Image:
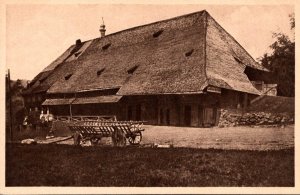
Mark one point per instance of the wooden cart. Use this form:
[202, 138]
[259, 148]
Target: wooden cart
[120, 131]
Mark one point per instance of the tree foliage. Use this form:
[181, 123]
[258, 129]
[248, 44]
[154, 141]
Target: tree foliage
[281, 62]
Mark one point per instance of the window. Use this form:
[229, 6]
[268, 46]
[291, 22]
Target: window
[28, 99]
[168, 116]
[99, 72]
[39, 98]
[129, 113]
[105, 47]
[189, 53]
[43, 79]
[77, 53]
[131, 70]
[187, 115]
[241, 99]
[138, 111]
[158, 33]
[68, 77]
[161, 115]
[237, 59]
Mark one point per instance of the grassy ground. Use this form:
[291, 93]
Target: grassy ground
[30, 132]
[243, 137]
[64, 165]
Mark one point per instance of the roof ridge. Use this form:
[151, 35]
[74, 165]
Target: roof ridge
[164, 69]
[143, 25]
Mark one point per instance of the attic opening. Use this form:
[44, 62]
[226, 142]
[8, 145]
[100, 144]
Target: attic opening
[77, 53]
[237, 59]
[254, 74]
[99, 72]
[189, 53]
[42, 80]
[105, 47]
[158, 33]
[132, 70]
[68, 77]
[78, 42]
[77, 46]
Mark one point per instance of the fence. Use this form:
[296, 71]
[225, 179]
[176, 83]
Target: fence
[86, 118]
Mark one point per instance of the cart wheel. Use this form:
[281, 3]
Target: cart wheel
[135, 139]
[76, 138]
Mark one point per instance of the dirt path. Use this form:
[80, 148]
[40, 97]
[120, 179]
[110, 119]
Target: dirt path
[244, 138]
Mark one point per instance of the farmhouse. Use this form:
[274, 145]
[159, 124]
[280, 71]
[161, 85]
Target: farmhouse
[179, 71]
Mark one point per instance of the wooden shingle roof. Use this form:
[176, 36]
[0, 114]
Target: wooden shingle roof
[179, 55]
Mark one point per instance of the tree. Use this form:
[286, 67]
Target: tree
[281, 62]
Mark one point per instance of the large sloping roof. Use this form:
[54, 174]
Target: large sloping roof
[63, 65]
[226, 60]
[179, 55]
[162, 66]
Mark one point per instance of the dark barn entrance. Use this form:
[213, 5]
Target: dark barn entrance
[138, 112]
[129, 113]
[187, 115]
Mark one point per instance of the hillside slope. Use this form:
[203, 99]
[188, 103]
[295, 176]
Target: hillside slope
[273, 104]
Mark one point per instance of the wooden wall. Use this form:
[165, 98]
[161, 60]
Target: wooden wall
[196, 110]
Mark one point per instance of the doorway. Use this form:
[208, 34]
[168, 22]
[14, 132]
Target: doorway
[168, 116]
[200, 116]
[209, 118]
[138, 112]
[161, 116]
[187, 115]
[129, 113]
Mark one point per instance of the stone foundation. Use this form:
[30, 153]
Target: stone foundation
[230, 118]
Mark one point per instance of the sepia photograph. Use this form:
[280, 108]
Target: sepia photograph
[185, 94]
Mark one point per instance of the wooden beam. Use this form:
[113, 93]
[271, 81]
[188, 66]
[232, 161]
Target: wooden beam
[213, 89]
[10, 105]
[70, 106]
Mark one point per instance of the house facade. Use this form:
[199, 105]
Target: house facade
[179, 71]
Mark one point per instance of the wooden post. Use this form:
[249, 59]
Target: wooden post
[179, 110]
[70, 106]
[245, 101]
[10, 103]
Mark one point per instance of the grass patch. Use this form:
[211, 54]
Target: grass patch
[63, 165]
[29, 132]
[274, 104]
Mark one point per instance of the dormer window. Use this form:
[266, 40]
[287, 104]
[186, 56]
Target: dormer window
[189, 53]
[237, 59]
[158, 33]
[77, 53]
[105, 47]
[131, 70]
[99, 72]
[68, 77]
[42, 80]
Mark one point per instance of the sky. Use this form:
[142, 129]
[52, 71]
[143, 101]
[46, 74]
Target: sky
[37, 34]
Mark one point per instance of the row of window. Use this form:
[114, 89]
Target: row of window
[132, 69]
[99, 72]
